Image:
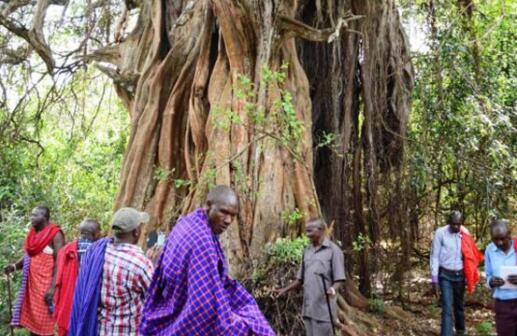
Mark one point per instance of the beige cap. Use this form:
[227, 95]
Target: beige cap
[128, 219]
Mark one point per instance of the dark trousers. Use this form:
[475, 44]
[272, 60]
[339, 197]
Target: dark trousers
[452, 287]
[506, 317]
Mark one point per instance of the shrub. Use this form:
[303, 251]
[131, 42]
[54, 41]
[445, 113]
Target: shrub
[484, 328]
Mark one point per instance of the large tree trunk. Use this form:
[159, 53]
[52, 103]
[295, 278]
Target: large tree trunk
[178, 76]
[360, 88]
[180, 73]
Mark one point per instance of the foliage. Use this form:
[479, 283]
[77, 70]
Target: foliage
[376, 305]
[281, 124]
[12, 232]
[484, 328]
[71, 164]
[76, 172]
[277, 270]
[360, 242]
[286, 250]
[462, 136]
[292, 217]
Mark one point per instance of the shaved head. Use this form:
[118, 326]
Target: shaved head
[500, 226]
[318, 222]
[315, 230]
[455, 217]
[222, 206]
[45, 209]
[501, 235]
[455, 220]
[222, 194]
[90, 229]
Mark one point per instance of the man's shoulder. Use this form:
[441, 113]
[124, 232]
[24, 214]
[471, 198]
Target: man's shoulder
[333, 244]
[129, 254]
[491, 248]
[99, 245]
[441, 230]
[190, 230]
[69, 247]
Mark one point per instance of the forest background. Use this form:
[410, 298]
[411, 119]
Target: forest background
[64, 131]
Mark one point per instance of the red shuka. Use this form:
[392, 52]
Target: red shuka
[67, 270]
[34, 315]
[36, 241]
[471, 259]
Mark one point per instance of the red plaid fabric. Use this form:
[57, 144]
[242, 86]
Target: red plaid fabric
[126, 275]
[35, 315]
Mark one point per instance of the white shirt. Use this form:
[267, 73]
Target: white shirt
[446, 251]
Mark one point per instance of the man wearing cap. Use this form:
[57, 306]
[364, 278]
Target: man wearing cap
[112, 282]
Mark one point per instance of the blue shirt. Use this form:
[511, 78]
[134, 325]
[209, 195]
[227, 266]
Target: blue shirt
[446, 251]
[83, 245]
[494, 259]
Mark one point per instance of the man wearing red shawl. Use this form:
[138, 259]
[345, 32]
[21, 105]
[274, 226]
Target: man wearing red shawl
[454, 262]
[68, 262]
[34, 305]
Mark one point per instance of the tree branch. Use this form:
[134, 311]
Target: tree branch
[126, 80]
[14, 5]
[294, 28]
[37, 37]
[34, 36]
[14, 56]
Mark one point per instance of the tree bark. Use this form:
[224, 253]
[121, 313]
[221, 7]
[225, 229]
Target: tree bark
[360, 88]
[179, 72]
[176, 72]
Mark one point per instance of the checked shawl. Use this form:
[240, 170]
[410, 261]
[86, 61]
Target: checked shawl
[191, 292]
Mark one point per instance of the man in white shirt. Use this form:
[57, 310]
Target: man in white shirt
[447, 274]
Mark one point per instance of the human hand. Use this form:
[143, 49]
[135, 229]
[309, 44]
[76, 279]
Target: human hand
[496, 282]
[331, 292]
[49, 296]
[9, 269]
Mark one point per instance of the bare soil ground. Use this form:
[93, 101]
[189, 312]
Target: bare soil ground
[420, 313]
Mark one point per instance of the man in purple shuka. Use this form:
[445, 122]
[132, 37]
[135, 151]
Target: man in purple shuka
[191, 292]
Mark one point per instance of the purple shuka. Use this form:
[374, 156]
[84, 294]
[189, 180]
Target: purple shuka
[191, 292]
[17, 312]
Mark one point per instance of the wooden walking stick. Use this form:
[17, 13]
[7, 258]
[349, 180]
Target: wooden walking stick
[10, 302]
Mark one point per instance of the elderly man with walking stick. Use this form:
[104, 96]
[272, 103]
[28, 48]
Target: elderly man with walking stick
[321, 273]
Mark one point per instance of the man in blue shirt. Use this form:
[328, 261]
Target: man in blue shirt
[501, 252]
[447, 274]
[90, 231]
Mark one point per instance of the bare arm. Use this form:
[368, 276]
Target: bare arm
[13, 267]
[333, 290]
[57, 243]
[337, 285]
[296, 284]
